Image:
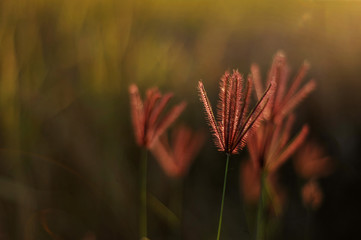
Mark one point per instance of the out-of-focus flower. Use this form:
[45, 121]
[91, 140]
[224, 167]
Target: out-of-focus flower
[271, 146]
[89, 236]
[312, 195]
[176, 158]
[283, 101]
[312, 162]
[147, 122]
[234, 122]
[251, 186]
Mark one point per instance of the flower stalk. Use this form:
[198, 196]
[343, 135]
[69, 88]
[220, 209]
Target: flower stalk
[143, 195]
[260, 227]
[223, 194]
[234, 122]
[149, 124]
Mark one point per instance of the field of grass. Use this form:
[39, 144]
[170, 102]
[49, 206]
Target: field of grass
[69, 162]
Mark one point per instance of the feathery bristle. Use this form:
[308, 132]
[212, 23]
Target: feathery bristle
[159, 108]
[251, 126]
[296, 99]
[136, 112]
[281, 80]
[297, 81]
[162, 154]
[234, 124]
[290, 149]
[270, 144]
[226, 121]
[287, 130]
[146, 115]
[152, 96]
[256, 76]
[168, 119]
[210, 116]
[252, 120]
[247, 100]
[237, 116]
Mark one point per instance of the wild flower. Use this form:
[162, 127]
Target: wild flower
[312, 162]
[251, 187]
[267, 154]
[234, 121]
[270, 146]
[147, 122]
[148, 126]
[175, 158]
[312, 195]
[283, 101]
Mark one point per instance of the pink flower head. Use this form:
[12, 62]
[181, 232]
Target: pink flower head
[271, 146]
[312, 162]
[285, 98]
[147, 121]
[312, 195]
[234, 121]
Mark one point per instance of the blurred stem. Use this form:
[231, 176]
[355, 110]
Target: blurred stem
[163, 211]
[308, 224]
[143, 195]
[260, 211]
[224, 191]
[178, 199]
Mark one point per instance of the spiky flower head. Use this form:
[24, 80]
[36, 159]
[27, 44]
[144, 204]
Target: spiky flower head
[285, 98]
[272, 145]
[234, 122]
[147, 121]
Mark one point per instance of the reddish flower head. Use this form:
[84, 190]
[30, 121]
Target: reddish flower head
[175, 159]
[250, 182]
[283, 101]
[234, 122]
[147, 122]
[312, 195]
[312, 162]
[270, 146]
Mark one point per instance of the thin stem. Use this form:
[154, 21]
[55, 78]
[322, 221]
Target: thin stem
[224, 191]
[143, 196]
[260, 211]
[180, 204]
[308, 223]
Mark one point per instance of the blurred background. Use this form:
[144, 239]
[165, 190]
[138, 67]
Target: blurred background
[69, 164]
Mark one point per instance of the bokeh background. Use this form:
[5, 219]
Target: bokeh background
[69, 165]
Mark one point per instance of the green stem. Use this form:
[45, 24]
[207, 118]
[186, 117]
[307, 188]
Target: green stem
[260, 211]
[143, 196]
[224, 191]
